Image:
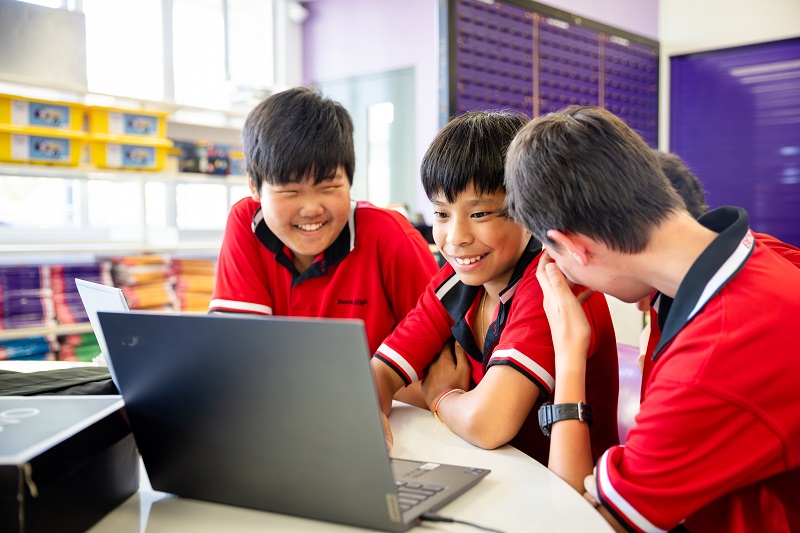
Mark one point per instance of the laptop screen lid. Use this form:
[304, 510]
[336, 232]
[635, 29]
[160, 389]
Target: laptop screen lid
[278, 414]
[97, 297]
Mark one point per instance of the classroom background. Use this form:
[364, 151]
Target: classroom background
[120, 121]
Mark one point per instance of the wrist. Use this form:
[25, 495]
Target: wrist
[442, 396]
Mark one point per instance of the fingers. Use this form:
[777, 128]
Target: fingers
[387, 432]
[590, 485]
[460, 355]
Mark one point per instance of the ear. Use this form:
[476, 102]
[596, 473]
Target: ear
[574, 244]
[254, 194]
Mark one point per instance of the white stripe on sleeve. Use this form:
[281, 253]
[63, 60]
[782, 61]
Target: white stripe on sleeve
[619, 502]
[399, 360]
[527, 362]
[240, 306]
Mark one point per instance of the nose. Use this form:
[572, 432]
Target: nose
[458, 232]
[311, 207]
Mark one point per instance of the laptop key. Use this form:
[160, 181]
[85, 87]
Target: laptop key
[412, 496]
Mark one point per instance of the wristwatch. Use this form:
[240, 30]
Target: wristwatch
[549, 414]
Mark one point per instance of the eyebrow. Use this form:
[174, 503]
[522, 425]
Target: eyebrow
[471, 203]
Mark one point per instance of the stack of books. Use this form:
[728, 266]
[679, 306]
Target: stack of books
[26, 300]
[146, 281]
[194, 283]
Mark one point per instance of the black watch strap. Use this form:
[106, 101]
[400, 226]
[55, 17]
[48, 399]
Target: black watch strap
[549, 414]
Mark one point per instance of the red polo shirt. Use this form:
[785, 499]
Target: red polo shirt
[519, 337]
[715, 445]
[787, 251]
[374, 271]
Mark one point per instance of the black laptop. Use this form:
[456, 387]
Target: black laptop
[278, 414]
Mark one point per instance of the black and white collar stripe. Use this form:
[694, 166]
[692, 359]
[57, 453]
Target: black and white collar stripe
[333, 255]
[717, 265]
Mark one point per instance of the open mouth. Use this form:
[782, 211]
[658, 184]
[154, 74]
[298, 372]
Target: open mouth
[469, 260]
[310, 227]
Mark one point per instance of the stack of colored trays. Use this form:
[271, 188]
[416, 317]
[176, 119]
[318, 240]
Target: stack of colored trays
[128, 139]
[40, 131]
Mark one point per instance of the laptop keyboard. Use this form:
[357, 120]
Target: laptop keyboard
[411, 493]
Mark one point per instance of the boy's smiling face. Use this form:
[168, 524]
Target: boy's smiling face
[306, 217]
[481, 244]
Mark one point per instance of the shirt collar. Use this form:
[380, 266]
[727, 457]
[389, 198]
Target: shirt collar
[715, 267]
[333, 255]
[457, 298]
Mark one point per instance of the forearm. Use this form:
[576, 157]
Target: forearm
[464, 416]
[570, 448]
[387, 383]
[492, 413]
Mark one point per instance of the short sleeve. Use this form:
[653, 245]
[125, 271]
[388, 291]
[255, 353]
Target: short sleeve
[242, 279]
[689, 447]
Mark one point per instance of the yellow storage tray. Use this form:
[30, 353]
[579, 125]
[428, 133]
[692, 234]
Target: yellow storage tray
[21, 111]
[128, 152]
[238, 166]
[113, 121]
[49, 146]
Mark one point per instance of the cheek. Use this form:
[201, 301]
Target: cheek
[439, 234]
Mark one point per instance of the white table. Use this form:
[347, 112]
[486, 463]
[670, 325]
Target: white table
[518, 495]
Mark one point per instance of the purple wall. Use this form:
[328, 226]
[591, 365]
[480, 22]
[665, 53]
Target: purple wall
[733, 119]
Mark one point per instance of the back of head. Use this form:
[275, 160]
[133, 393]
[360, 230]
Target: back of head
[295, 134]
[583, 170]
[685, 182]
[470, 149]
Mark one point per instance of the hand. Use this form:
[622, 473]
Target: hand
[451, 370]
[644, 340]
[568, 324]
[387, 431]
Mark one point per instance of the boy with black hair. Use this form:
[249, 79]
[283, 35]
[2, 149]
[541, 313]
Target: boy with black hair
[714, 447]
[300, 246]
[487, 298]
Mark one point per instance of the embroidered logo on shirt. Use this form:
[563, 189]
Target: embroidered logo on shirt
[355, 301]
[747, 242]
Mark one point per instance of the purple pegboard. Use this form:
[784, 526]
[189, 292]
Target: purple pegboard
[532, 58]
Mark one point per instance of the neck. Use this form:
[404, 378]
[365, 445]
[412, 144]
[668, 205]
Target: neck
[674, 247]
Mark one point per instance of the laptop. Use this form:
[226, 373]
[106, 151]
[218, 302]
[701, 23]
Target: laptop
[97, 297]
[272, 413]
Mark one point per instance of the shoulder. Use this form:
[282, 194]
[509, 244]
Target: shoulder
[244, 209]
[785, 250]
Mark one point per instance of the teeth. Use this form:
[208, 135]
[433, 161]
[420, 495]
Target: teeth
[468, 260]
[310, 227]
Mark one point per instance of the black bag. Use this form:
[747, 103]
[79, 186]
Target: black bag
[70, 381]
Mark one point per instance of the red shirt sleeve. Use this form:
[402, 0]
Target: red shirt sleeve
[241, 279]
[689, 447]
[420, 335]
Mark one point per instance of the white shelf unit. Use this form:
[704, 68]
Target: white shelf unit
[85, 246]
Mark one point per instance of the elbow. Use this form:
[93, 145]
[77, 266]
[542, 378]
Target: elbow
[488, 431]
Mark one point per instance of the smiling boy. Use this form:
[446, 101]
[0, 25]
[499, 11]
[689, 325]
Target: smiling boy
[300, 246]
[487, 298]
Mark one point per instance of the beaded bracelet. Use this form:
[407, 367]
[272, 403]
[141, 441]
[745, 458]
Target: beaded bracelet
[440, 398]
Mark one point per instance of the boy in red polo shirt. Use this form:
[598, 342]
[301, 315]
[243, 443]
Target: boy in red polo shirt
[714, 447]
[488, 300]
[300, 246]
[691, 190]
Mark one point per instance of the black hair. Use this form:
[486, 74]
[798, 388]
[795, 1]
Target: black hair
[470, 149]
[583, 170]
[685, 182]
[296, 134]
